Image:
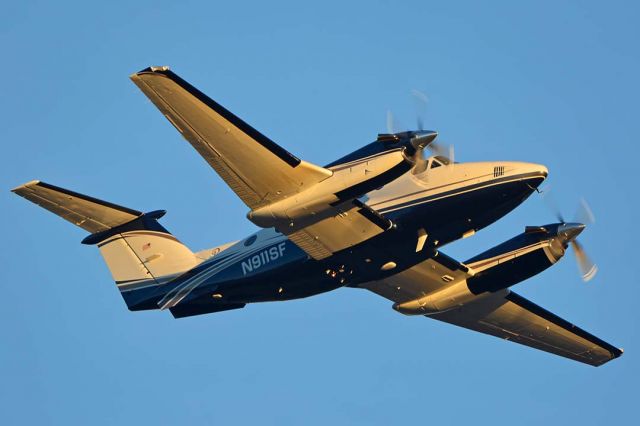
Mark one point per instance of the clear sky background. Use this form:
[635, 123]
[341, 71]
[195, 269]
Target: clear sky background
[548, 82]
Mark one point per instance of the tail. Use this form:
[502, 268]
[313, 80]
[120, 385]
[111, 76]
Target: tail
[140, 253]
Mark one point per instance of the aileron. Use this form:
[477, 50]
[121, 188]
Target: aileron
[344, 229]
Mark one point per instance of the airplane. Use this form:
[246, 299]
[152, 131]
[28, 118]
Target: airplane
[375, 219]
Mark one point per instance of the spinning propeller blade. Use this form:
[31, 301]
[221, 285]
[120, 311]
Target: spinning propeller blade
[552, 204]
[584, 216]
[421, 107]
[584, 213]
[438, 148]
[587, 268]
[390, 127]
[419, 139]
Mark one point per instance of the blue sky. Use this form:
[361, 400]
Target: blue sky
[548, 82]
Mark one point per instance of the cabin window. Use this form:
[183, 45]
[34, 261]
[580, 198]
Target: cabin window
[250, 240]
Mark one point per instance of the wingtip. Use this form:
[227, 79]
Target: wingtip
[615, 353]
[151, 70]
[25, 185]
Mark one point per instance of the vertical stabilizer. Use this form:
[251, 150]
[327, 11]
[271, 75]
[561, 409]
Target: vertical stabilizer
[139, 252]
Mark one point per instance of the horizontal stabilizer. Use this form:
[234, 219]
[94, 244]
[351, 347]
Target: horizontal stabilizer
[139, 252]
[90, 214]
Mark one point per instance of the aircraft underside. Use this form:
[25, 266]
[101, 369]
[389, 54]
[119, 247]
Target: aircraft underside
[374, 219]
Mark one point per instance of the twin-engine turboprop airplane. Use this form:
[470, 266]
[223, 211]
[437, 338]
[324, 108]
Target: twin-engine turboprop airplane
[374, 219]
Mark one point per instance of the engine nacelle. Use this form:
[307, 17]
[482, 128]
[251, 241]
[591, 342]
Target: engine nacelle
[496, 270]
[349, 181]
[450, 297]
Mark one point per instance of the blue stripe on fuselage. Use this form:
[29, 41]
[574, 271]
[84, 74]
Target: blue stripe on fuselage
[445, 226]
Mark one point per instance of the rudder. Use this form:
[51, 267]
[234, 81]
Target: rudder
[142, 252]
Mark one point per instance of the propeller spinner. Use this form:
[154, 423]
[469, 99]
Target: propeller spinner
[418, 139]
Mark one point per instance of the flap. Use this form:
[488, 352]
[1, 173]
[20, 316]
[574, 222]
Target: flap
[344, 229]
[420, 280]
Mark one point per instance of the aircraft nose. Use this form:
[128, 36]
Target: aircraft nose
[543, 170]
[537, 169]
[534, 173]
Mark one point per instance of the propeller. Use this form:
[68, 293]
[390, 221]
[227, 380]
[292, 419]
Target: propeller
[419, 139]
[587, 268]
[391, 128]
[421, 101]
[584, 216]
[438, 148]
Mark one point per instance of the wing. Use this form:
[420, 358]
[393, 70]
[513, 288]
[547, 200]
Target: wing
[258, 170]
[503, 314]
[89, 213]
[424, 278]
[514, 318]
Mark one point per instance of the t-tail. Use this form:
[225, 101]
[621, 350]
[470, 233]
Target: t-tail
[140, 253]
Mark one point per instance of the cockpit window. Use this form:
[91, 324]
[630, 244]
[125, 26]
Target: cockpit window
[443, 160]
[435, 163]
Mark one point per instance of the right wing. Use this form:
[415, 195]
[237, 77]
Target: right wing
[514, 318]
[502, 314]
[258, 170]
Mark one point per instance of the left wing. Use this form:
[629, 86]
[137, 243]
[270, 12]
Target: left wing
[258, 170]
[503, 314]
